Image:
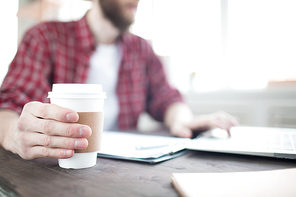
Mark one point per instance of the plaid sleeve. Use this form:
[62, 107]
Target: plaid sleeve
[160, 94]
[29, 72]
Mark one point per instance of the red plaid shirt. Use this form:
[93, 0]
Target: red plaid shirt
[59, 52]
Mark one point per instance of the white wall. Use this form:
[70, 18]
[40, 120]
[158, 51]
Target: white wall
[263, 108]
[268, 107]
[8, 34]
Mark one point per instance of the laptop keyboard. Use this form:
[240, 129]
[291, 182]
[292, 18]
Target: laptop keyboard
[277, 141]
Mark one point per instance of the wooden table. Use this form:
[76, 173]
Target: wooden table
[43, 177]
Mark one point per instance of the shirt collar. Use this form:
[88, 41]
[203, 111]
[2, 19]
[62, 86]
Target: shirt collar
[84, 37]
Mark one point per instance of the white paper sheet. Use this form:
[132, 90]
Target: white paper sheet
[140, 145]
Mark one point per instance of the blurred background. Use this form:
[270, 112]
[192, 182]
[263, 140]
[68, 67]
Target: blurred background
[233, 55]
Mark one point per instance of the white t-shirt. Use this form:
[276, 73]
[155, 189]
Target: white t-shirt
[104, 66]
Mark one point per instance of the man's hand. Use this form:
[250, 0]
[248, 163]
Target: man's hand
[182, 123]
[44, 130]
[219, 119]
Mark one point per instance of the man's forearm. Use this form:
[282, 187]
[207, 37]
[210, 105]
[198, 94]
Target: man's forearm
[178, 113]
[8, 122]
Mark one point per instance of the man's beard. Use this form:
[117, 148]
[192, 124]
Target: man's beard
[112, 10]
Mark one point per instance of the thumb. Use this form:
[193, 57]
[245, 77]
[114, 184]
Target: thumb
[180, 130]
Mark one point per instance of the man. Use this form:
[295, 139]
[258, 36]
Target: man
[74, 52]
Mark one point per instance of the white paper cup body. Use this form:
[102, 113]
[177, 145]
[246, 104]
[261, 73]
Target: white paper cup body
[80, 98]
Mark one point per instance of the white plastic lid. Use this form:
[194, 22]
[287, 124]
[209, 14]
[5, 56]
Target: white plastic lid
[77, 88]
[70, 90]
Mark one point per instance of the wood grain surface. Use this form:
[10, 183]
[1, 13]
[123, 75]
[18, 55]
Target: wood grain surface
[43, 177]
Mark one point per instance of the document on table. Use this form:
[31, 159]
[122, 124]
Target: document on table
[141, 147]
[259, 183]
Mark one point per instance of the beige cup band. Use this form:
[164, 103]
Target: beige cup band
[95, 121]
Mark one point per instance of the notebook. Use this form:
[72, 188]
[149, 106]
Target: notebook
[261, 141]
[260, 183]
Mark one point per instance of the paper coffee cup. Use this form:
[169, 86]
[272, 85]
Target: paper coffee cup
[88, 101]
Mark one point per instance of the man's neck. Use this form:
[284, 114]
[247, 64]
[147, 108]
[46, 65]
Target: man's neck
[102, 29]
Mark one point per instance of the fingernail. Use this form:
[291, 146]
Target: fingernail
[79, 144]
[83, 131]
[71, 117]
[68, 153]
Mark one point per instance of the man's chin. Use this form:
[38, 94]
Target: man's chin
[124, 26]
[124, 30]
[130, 17]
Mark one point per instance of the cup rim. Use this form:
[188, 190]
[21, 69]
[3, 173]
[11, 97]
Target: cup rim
[77, 95]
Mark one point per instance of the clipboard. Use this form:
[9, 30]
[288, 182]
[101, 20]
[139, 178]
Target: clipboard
[150, 149]
[147, 160]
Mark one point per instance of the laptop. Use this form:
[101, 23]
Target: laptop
[260, 141]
